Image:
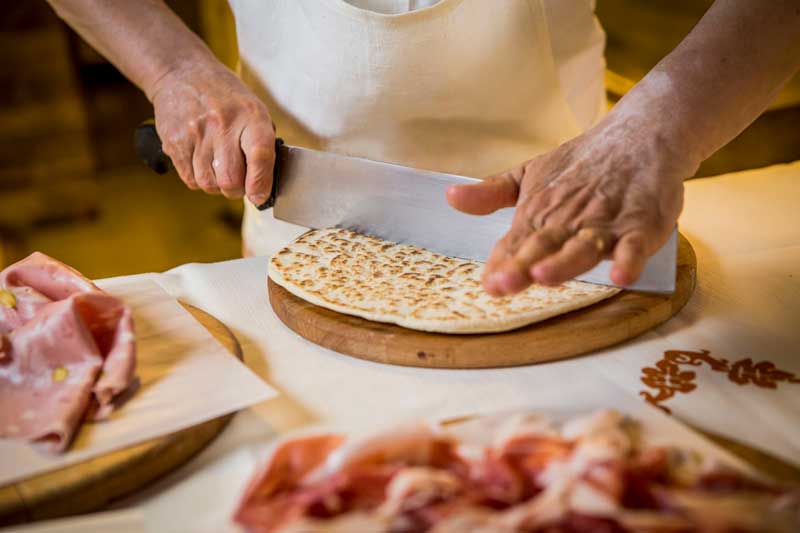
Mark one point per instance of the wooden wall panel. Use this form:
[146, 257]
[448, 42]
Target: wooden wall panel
[46, 160]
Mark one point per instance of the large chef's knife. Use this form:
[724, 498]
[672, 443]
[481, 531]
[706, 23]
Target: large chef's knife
[396, 203]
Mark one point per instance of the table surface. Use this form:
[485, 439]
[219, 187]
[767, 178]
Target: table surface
[729, 363]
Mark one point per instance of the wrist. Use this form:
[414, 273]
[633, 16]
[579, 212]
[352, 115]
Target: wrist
[660, 135]
[183, 70]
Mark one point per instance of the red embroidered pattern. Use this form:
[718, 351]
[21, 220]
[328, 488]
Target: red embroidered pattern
[668, 379]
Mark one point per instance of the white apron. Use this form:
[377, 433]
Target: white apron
[469, 87]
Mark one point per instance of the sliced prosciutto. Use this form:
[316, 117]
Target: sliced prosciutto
[66, 349]
[513, 474]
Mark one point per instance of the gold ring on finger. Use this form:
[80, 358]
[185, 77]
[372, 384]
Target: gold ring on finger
[593, 236]
[535, 224]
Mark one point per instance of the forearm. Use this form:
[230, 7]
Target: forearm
[143, 38]
[720, 78]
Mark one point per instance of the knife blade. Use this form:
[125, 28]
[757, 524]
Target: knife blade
[407, 205]
[400, 204]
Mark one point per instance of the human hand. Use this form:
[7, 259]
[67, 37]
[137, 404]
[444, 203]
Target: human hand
[616, 190]
[217, 133]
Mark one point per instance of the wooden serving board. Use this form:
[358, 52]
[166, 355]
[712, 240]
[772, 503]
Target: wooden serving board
[93, 484]
[608, 322]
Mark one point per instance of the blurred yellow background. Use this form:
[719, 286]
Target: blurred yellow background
[71, 186]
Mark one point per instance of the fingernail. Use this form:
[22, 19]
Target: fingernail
[497, 282]
[540, 275]
[258, 199]
[620, 277]
[514, 281]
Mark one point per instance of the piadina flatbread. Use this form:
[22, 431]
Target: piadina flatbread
[412, 287]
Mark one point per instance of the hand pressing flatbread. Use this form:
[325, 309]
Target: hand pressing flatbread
[405, 285]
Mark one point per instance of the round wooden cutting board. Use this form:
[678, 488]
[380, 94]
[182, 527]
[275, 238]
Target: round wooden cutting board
[608, 322]
[93, 484]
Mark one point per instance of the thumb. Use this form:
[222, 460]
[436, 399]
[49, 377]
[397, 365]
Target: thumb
[485, 197]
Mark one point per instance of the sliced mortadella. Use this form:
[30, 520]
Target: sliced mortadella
[111, 324]
[45, 275]
[9, 316]
[47, 377]
[63, 341]
[30, 284]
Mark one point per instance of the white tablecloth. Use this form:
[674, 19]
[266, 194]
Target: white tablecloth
[745, 228]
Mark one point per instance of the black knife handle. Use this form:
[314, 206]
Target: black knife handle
[148, 147]
[276, 171]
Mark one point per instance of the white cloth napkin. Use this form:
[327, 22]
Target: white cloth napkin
[186, 377]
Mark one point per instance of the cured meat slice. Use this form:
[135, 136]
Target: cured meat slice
[38, 280]
[321, 477]
[65, 346]
[521, 474]
[110, 323]
[416, 487]
[263, 508]
[419, 444]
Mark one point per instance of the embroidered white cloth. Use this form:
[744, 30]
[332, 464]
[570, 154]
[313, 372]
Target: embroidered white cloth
[745, 229]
